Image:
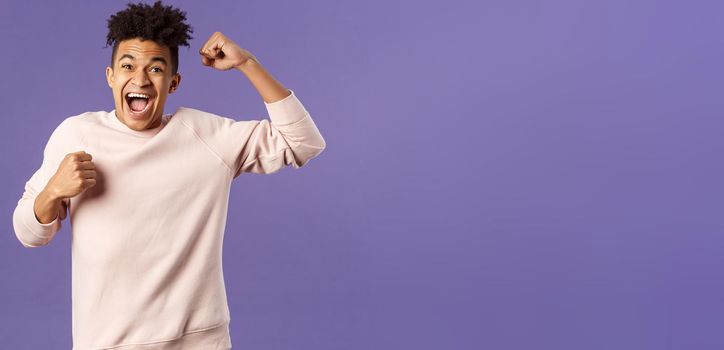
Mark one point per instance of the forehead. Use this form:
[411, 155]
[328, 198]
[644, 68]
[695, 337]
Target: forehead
[142, 49]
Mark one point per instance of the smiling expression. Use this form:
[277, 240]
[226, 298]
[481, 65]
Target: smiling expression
[143, 70]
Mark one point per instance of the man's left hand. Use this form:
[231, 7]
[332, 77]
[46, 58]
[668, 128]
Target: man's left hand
[222, 53]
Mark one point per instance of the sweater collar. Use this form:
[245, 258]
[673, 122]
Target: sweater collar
[118, 124]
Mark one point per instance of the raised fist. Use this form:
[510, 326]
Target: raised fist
[222, 53]
[75, 174]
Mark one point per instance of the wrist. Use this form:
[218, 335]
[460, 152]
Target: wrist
[249, 65]
[49, 195]
[46, 207]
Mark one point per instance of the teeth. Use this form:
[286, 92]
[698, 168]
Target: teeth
[135, 95]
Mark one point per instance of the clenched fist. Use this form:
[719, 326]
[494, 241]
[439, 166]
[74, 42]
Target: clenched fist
[223, 53]
[76, 173]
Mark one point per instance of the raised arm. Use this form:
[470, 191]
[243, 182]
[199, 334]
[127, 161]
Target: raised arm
[290, 137]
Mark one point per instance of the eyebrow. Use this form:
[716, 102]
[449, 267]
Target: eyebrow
[153, 59]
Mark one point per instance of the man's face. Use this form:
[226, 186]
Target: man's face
[141, 67]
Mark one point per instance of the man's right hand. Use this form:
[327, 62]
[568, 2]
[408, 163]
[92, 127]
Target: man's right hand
[76, 173]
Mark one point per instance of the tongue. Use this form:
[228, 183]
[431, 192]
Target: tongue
[138, 104]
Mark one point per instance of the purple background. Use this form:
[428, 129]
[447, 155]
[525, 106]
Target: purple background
[498, 174]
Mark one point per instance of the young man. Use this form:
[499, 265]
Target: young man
[147, 192]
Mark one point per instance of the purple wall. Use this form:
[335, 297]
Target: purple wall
[498, 175]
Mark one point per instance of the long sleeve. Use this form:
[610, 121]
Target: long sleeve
[288, 137]
[29, 231]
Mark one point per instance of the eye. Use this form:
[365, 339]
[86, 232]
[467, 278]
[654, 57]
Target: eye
[126, 66]
[159, 69]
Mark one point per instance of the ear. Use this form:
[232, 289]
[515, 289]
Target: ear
[109, 76]
[174, 83]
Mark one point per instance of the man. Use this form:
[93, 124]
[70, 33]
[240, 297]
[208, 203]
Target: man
[147, 192]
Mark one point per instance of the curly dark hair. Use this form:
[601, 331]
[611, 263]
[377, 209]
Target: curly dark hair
[162, 24]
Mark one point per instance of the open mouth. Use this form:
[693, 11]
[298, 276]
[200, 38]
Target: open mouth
[138, 103]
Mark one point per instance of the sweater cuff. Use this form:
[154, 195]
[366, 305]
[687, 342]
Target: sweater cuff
[37, 228]
[288, 110]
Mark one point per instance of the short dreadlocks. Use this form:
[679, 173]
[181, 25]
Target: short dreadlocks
[162, 24]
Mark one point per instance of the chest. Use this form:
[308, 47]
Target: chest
[173, 165]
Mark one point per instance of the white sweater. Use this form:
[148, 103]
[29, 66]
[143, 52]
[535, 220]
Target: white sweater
[147, 238]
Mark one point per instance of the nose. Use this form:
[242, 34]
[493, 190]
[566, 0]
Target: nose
[140, 78]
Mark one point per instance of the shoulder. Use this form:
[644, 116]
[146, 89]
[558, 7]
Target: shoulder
[80, 121]
[70, 131]
[195, 115]
[201, 121]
